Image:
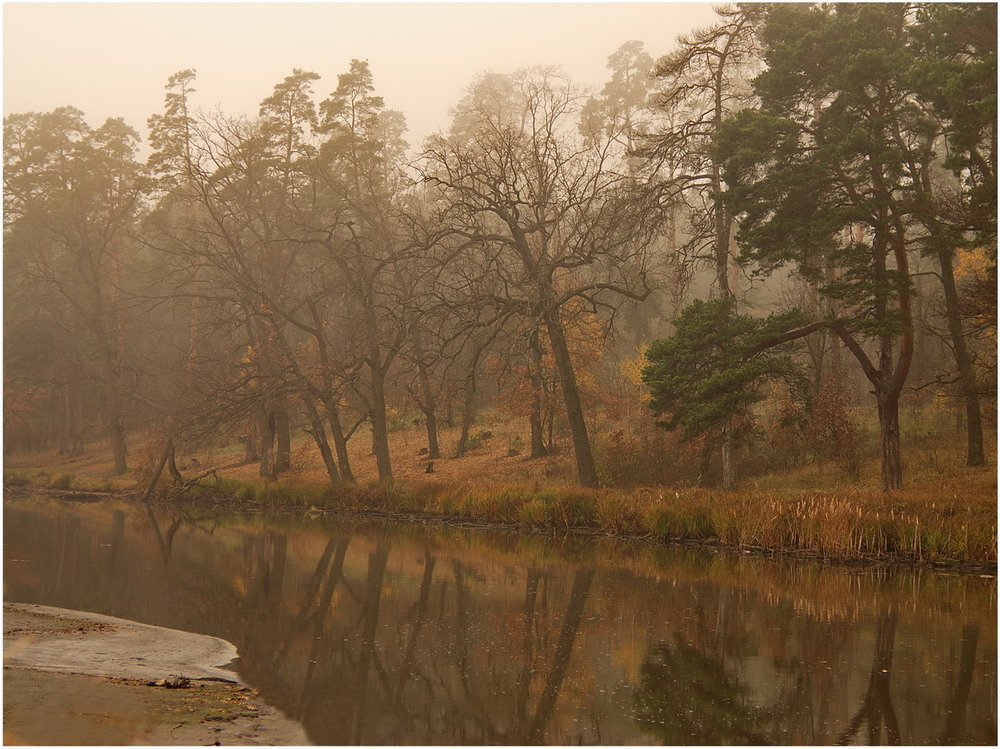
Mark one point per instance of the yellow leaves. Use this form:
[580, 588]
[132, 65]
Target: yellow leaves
[972, 265]
[631, 369]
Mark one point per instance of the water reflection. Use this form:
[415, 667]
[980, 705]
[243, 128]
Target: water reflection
[370, 634]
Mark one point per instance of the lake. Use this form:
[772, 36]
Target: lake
[387, 633]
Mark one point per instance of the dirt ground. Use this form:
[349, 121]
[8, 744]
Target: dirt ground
[72, 678]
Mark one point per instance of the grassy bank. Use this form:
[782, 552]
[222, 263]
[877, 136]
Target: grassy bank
[947, 521]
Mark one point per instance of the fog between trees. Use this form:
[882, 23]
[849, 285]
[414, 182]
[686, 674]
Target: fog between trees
[823, 178]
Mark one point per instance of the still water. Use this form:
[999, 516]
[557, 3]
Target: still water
[376, 633]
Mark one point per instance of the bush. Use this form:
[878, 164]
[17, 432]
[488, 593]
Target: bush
[826, 432]
[647, 457]
[479, 439]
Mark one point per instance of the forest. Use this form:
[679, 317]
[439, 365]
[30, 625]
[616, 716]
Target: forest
[769, 249]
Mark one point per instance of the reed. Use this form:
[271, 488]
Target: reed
[846, 524]
[936, 521]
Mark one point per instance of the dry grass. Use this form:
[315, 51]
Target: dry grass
[946, 513]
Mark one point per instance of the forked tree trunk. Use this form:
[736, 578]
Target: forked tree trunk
[585, 466]
[339, 443]
[319, 437]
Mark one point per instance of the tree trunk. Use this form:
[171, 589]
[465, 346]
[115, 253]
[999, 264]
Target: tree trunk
[113, 411]
[323, 444]
[974, 455]
[433, 449]
[76, 420]
[729, 478]
[71, 423]
[340, 443]
[468, 413]
[888, 419]
[380, 421]
[265, 427]
[538, 449]
[158, 471]
[319, 437]
[116, 431]
[283, 438]
[251, 453]
[65, 420]
[429, 405]
[586, 469]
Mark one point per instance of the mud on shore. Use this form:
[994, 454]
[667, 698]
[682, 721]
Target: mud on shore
[72, 678]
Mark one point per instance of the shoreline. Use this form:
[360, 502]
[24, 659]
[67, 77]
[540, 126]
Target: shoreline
[73, 677]
[228, 503]
[897, 539]
[988, 568]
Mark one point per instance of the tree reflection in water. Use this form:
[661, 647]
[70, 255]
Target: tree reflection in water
[689, 697]
[378, 635]
[877, 708]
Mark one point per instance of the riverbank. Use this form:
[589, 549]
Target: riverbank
[74, 678]
[861, 528]
[946, 515]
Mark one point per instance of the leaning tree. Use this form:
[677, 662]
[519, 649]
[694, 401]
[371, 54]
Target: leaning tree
[548, 218]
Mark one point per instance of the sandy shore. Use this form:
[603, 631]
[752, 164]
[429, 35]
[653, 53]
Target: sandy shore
[72, 678]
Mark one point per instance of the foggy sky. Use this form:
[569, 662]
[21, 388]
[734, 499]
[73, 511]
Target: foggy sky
[113, 60]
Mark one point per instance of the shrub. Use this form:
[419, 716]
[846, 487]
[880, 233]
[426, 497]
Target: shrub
[646, 457]
[479, 439]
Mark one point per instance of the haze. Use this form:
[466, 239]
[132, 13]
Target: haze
[112, 60]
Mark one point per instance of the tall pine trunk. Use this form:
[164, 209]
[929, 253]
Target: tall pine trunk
[730, 481]
[974, 455]
[888, 420]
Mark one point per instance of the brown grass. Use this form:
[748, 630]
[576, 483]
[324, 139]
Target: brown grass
[947, 513]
